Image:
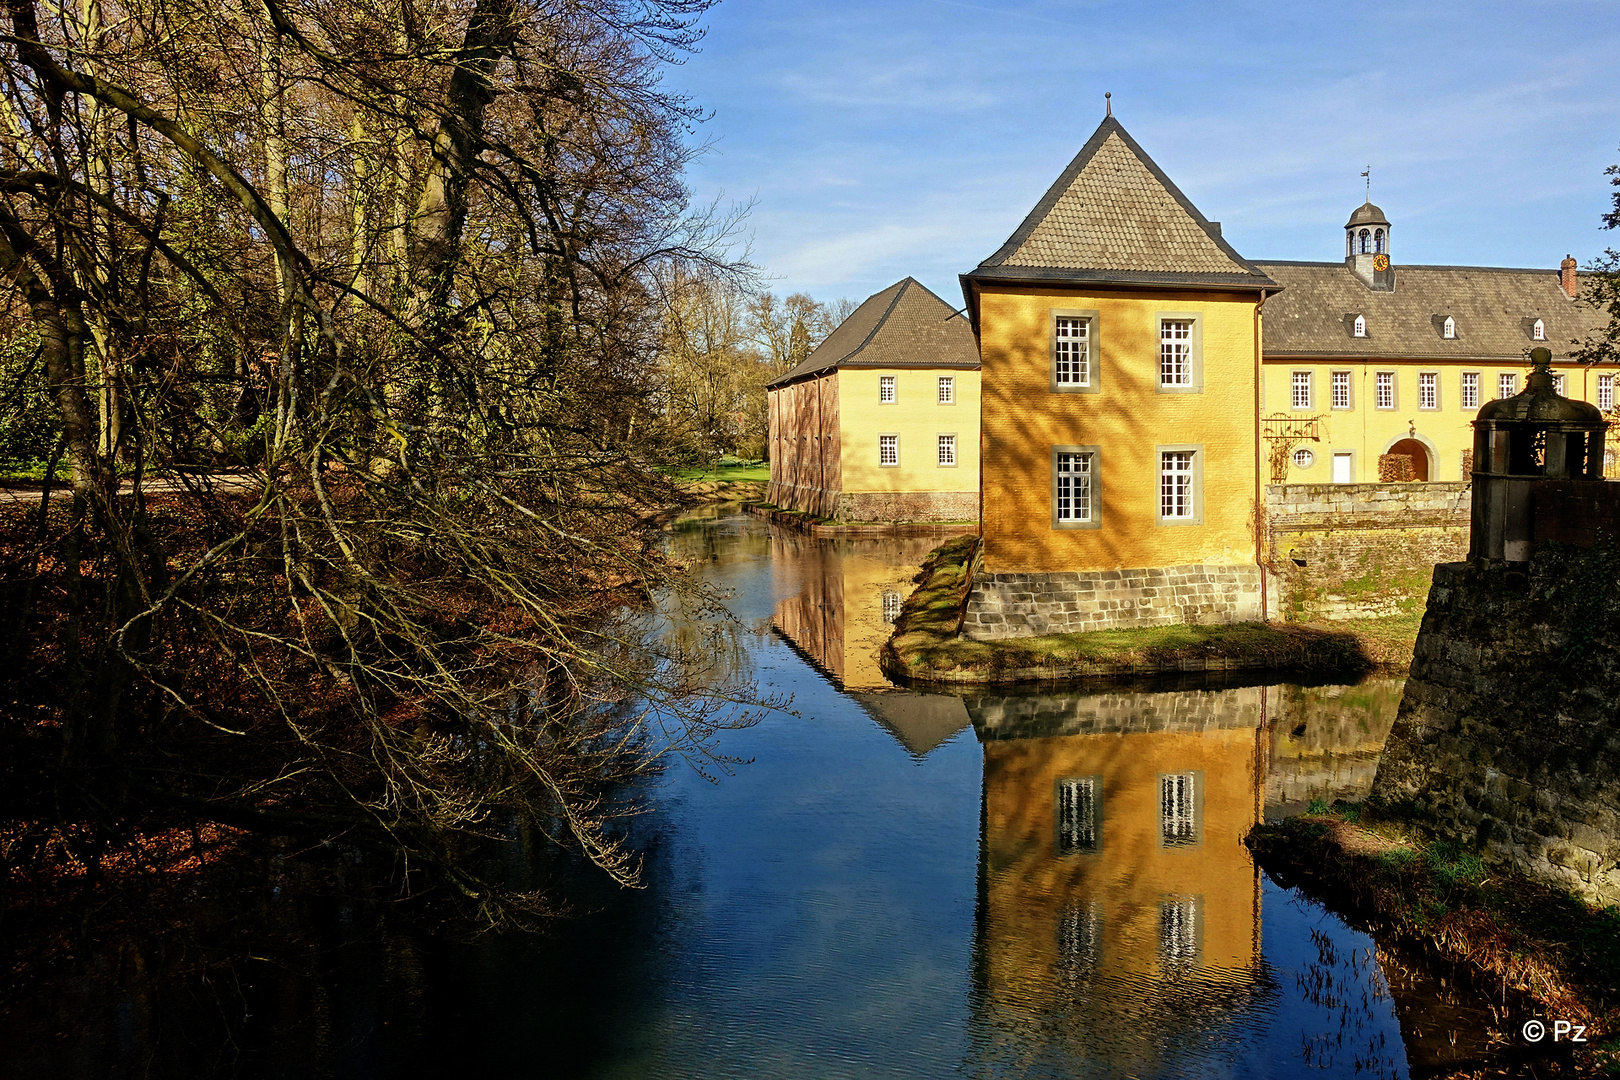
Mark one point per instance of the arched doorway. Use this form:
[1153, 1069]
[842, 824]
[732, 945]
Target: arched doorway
[1417, 452]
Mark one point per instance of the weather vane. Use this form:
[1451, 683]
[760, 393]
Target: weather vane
[1367, 176]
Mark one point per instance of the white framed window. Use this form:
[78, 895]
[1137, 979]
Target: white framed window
[1448, 329]
[891, 606]
[1558, 383]
[1428, 390]
[1605, 392]
[1359, 327]
[1079, 815]
[1074, 347]
[1341, 390]
[1179, 483]
[1181, 364]
[1302, 389]
[1384, 389]
[888, 451]
[1074, 487]
[1507, 384]
[1179, 824]
[1538, 331]
[1304, 458]
[947, 451]
[886, 394]
[947, 389]
[1470, 390]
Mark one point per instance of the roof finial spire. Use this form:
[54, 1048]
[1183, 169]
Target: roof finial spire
[1108, 101]
[1367, 176]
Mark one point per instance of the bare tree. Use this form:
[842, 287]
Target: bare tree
[400, 266]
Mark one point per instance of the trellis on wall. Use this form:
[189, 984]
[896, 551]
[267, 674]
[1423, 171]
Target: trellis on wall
[1282, 433]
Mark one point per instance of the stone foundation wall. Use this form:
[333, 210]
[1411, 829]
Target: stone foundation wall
[1349, 551]
[907, 506]
[1508, 735]
[1026, 605]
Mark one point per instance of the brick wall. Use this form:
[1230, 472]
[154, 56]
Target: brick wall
[806, 470]
[1507, 736]
[1344, 551]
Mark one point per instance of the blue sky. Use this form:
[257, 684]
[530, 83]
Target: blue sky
[911, 136]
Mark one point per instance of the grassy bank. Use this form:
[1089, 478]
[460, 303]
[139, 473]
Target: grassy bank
[1521, 937]
[926, 647]
[728, 480]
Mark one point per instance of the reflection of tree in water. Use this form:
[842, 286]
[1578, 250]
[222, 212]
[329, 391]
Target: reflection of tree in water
[1350, 989]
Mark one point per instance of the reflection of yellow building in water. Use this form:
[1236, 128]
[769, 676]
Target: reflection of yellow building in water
[836, 602]
[1118, 900]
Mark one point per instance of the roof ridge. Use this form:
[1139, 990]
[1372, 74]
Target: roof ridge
[905, 283]
[1339, 264]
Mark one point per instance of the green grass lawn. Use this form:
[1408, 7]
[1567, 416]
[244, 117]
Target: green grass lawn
[729, 470]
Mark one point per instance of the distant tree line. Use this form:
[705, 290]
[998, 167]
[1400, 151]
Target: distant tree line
[722, 343]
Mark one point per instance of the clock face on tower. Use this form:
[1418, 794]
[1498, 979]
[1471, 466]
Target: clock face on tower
[1380, 262]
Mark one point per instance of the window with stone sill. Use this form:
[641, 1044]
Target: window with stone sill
[1470, 390]
[888, 451]
[947, 390]
[1341, 389]
[1507, 384]
[1384, 389]
[886, 391]
[1074, 487]
[1301, 384]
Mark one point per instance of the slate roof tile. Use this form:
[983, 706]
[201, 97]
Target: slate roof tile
[905, 325]
[1494, 309]
[1114, 216]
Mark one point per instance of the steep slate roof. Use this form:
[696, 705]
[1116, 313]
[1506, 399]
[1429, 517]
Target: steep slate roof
[1115, 217]
[1494, 308]
[904, 326]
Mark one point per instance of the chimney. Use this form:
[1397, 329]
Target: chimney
[1566, 276]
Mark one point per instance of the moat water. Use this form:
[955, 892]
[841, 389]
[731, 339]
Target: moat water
[891, 884]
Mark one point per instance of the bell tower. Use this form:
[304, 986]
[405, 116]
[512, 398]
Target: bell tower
[1366, 247]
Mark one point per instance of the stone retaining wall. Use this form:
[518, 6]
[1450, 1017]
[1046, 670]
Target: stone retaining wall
[1024, 605]
[1347, 551]
[907, 506]
[1508, 735]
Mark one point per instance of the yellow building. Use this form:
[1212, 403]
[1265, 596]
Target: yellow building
[1120, 343]
[1380, 359]
[881, 421]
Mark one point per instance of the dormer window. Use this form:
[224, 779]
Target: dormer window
[1538, 331]
[1448, 329]
[1359, 327]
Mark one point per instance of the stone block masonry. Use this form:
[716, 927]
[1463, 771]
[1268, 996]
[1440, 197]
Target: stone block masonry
[1508, 735]
[1023, 605]
[907, 506]
[1347, 551]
